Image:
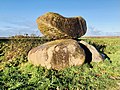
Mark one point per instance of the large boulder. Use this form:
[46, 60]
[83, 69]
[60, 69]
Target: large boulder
[91, 52]
[57, 54]
[56, 26]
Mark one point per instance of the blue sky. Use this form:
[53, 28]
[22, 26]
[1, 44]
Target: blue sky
[19, 16]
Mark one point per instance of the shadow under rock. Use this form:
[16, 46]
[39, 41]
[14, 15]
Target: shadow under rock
[100, 49]
[88, 57]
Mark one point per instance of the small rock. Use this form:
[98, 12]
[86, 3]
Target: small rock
[91, 53]
[57, 54]
[56, 26]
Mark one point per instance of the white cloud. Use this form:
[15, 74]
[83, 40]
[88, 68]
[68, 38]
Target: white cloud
[14, 28]
[93, 31]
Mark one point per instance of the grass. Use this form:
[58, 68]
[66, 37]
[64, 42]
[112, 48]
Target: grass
[17, 73]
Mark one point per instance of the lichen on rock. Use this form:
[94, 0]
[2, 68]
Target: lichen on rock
[56, 26]
[57, 54]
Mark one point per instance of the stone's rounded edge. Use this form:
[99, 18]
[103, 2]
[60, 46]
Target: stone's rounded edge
[30, 54]
[76, 57]
[96, 56]
[33, 55]
[84, 25]
[58, 54]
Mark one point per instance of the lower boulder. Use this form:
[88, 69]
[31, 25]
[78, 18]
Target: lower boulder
[57, 54]
[91, 52]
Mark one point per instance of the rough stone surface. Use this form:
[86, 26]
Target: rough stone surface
[91, 53]
[56, 26]
[57, 54]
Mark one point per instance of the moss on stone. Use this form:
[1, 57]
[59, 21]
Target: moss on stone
[56, 26]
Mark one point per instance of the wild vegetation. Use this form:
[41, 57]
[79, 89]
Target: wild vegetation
[17, 73]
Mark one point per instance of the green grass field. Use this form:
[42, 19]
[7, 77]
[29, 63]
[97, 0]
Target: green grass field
[17, 74]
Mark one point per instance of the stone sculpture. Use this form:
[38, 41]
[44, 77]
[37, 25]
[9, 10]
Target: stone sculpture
[65, 51]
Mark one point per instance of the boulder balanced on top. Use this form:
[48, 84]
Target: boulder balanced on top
[56, 26]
